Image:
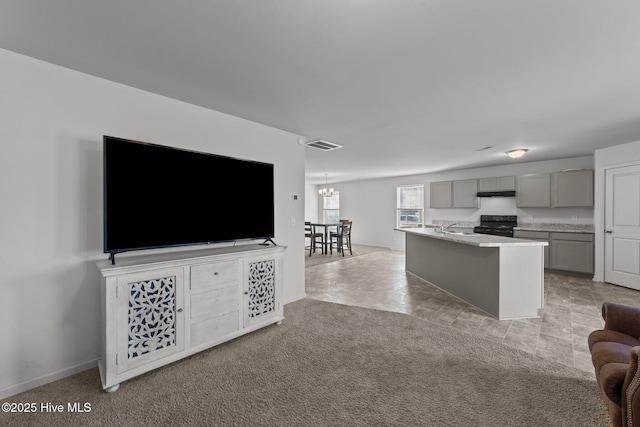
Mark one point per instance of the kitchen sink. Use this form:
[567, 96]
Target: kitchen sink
[458, 233]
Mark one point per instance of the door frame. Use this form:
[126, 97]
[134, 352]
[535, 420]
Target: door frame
[599, 213]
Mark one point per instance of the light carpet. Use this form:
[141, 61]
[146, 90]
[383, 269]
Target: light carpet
[336, 365]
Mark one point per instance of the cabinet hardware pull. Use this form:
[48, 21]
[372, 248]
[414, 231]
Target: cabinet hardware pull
[608, 231]
[215, 274]
[179, 310]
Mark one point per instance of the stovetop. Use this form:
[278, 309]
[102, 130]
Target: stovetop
[497, 225]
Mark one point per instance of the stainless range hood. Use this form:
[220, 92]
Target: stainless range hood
[510, 193]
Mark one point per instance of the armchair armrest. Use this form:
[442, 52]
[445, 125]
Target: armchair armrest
[630, 403]
[622, 318]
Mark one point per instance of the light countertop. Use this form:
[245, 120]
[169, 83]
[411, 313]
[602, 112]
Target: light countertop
[559, 227]
[482, 240]
[556, 227]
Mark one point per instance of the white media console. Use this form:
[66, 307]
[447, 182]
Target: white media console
[157, 309]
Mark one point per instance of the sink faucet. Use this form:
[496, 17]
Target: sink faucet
[445, 228]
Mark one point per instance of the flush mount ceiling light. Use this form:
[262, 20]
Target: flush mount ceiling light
[517, 153]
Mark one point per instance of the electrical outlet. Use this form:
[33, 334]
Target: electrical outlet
[293, 197]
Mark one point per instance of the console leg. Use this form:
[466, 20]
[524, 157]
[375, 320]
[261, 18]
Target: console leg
[112, 388]
[279, 323]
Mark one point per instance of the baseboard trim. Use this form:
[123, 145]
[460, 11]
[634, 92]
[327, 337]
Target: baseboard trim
[295, 298]
[14, 389]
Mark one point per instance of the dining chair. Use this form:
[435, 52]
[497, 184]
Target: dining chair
[342, 236]
[334, 234]
[310, 233]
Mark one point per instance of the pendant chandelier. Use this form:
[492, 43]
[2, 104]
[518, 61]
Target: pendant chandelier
[325, 192]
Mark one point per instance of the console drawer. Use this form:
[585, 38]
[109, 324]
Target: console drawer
[215, 302]
[215, 274]
[210, 330]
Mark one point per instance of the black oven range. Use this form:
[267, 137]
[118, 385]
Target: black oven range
[497, 225]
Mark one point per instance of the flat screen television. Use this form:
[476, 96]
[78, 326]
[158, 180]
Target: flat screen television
[157, 196]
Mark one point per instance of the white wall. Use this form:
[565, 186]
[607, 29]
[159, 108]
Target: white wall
[51, 127]
[311, 201]
[618, 156]
[371, 204]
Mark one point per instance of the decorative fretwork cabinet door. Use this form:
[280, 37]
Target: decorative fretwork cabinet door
[150, 322]
[262, 289]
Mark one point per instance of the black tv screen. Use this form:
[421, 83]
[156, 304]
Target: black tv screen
[157, 196]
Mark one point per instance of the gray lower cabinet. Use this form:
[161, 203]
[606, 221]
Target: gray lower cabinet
[566, 251]
[572, 252]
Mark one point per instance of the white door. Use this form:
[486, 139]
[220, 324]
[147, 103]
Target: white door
[622, 226]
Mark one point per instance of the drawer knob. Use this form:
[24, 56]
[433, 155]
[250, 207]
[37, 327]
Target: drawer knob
[179, 310]
[215, 274]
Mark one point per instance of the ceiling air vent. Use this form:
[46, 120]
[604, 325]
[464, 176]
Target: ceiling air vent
[323, 145]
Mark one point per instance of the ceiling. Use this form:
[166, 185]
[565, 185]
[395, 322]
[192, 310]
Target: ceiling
[406, 86]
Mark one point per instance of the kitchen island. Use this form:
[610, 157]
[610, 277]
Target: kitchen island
[502, 276]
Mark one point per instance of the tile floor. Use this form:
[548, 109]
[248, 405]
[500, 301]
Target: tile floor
[378, 280]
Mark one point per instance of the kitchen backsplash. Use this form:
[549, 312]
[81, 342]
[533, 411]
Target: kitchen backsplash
[455, 221]
[507, 206]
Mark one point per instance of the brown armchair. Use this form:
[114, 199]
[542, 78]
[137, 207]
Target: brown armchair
[615, 350]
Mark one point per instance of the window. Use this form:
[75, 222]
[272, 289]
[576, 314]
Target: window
[331, 208]
[410, 204]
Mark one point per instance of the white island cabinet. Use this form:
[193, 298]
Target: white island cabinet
[502, 276]
[160, 308]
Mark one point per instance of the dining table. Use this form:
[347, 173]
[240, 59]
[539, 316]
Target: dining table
[326, 226]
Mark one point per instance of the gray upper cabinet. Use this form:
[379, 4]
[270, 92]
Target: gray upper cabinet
[465, 193]
[502, 183]
[556, 190]
[572, 188]
[440, 194]
[533, 191]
